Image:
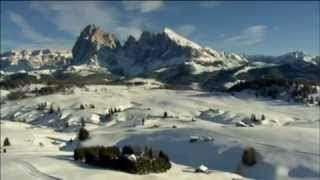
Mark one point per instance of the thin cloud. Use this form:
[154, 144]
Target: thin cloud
[72, 17]
[275, 28]
[249, 36]
[143, 6]
[186, 29]
[133, 28]
[26, 30]
[210, 4]
[54, 44]
[36, 39]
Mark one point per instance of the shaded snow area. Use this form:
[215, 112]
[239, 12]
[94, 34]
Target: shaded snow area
[199, 129]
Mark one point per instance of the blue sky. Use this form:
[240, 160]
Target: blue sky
[271, 28]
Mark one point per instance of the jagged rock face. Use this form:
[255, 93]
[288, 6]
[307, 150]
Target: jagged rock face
[166, 56]
[91, 43]
[150, 52]
[97, 49]
[34, 59]
[157, 50]
[154, 47]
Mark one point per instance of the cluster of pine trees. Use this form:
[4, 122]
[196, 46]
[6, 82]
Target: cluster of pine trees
[15, 95]
[111, 111]
[17, 80]
[60, 81]
[50, 89]
[84, 106]
[119, 159]
[83, 134]
[52, 109]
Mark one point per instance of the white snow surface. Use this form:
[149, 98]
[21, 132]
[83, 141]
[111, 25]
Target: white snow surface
[180, 39]
[287, 142]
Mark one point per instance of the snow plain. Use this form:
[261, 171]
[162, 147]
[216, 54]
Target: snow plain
[287, 142]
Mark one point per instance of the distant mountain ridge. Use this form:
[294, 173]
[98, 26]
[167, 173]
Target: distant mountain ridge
[166, 56]
[295, 57]
[152, 51]
[17, 60]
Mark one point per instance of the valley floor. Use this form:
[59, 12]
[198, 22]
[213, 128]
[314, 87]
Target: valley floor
[287, 141]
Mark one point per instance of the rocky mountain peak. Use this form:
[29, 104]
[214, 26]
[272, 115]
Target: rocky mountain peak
[295, 57]
[146, 37]
[91, 40]
[96, 35]
[131, 41]
[99, 49]
[296, 54]
[88, 30]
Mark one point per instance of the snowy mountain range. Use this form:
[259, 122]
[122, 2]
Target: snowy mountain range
[152, 51]
[295, 57]
[18, 60]
[167, 56]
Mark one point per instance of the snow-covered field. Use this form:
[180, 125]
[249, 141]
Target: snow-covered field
[287, 141]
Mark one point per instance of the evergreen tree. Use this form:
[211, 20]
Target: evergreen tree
[66, 124]
[83, 134]
[150, 155]
[58, 109]
[127, 150]
[83, 123]
[6, 142]
[51, 109]
[165, 114]
[253, 118]
[311, 100]
[249, 156]
[79, 154]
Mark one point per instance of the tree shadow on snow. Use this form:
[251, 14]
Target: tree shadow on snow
[80, 164]
[77, 163]
[261, 170]
[303, 172]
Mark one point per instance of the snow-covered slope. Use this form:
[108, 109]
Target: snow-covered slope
[180, 39]
[286, 142]
[28, 160]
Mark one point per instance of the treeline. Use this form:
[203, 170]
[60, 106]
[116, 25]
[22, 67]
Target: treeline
[297, 90]
[19, 94]
[17, 80]
[125, 159]
[22, 79]
[51, 89]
